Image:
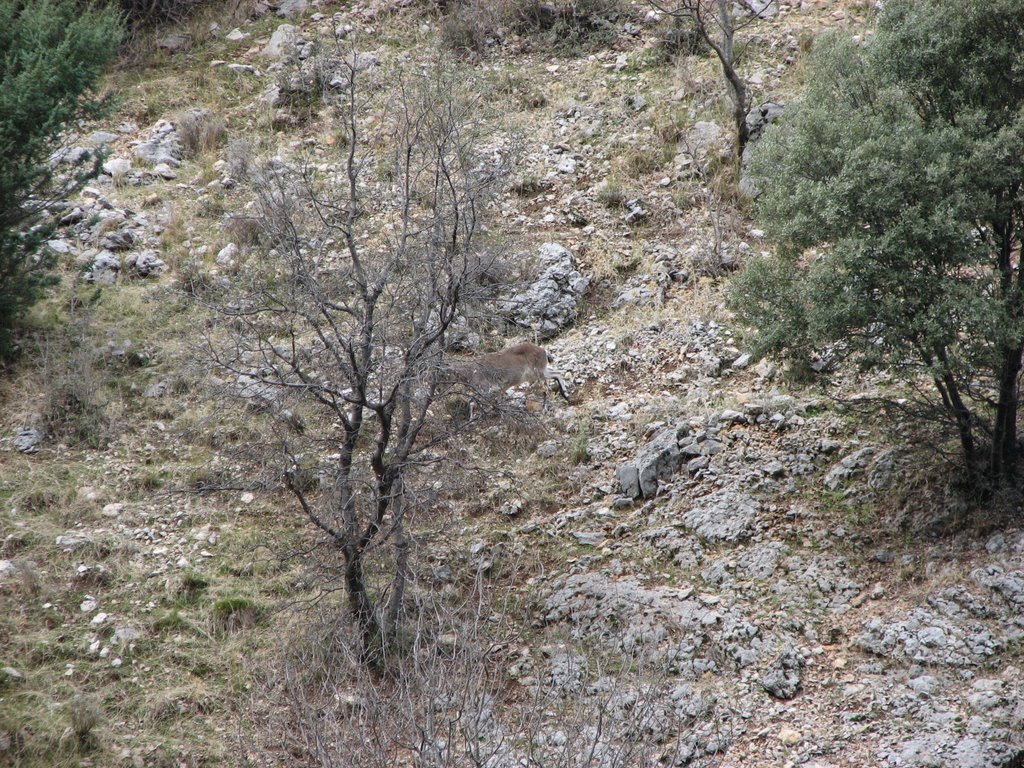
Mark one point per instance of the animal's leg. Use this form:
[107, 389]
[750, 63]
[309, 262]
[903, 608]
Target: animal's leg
[563, 389]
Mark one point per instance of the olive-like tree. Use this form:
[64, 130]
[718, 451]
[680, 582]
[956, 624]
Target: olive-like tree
[52, 53]
[895, 196]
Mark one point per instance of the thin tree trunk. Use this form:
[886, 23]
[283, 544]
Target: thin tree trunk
[363, 610]
[1003, 463]
[393, 610]
[1004, 437]
[950, 392]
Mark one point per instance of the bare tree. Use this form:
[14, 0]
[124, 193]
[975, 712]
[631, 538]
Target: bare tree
[717, 22]
[452, 703]
[349, 314]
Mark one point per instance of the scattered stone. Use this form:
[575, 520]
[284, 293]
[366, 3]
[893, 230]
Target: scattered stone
[70, 156]
[164, 171]
[782, 680]
[290, 8]
[28, 439]
[120, 240]
[789, 737]
[112, 510]
[117, 167]
[11, 675]
[636, 103]
[173, 43]
[658, 461]
[635, 211]
[741, 362]
[282, 43]
[849, 467]
[163, 146]
[104, 269]
[227, 255]
[924, 637]
[99, 138]
[145, 263]
[760, 118]
[589, 538]
[566, 165]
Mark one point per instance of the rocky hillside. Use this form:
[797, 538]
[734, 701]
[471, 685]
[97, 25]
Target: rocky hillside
[722, 567]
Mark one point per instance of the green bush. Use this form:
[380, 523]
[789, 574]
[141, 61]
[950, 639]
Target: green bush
[894, 195]
[52, 53]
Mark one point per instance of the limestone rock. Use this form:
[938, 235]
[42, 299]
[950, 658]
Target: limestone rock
[658, 461]
[723, 516]
[282, 43]
[551, 302]
[28, 439]
[783, 677]
[104, 269]
[145, 263]
[163, 146]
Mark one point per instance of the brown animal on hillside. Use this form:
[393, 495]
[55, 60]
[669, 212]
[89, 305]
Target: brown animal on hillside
[524, 363]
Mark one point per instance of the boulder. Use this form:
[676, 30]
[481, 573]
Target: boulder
[145, 263]
[282, 43]
[28, 439]
[783, 677]
[657, 461]
[761, 117]
[551, 302]
[291, 8]
[117, 166]
[104, 269]
[163, 146]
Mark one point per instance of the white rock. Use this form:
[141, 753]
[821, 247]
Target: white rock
[164, 171]
[282, 42]
[12, 674]
[566, 165]
[117, 166]
[290, 8]
[235, 35]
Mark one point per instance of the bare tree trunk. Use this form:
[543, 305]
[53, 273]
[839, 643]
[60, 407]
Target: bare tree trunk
[737, 87]
[393, 610]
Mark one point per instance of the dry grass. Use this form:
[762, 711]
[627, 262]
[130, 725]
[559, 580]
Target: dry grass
[201, 131]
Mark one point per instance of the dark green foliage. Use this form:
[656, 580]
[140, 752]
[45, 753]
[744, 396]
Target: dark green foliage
[894, 195]
[51, 55]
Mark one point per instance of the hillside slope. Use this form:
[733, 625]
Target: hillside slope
[774, 600]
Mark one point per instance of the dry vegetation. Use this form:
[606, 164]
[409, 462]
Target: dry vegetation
[223, 639]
